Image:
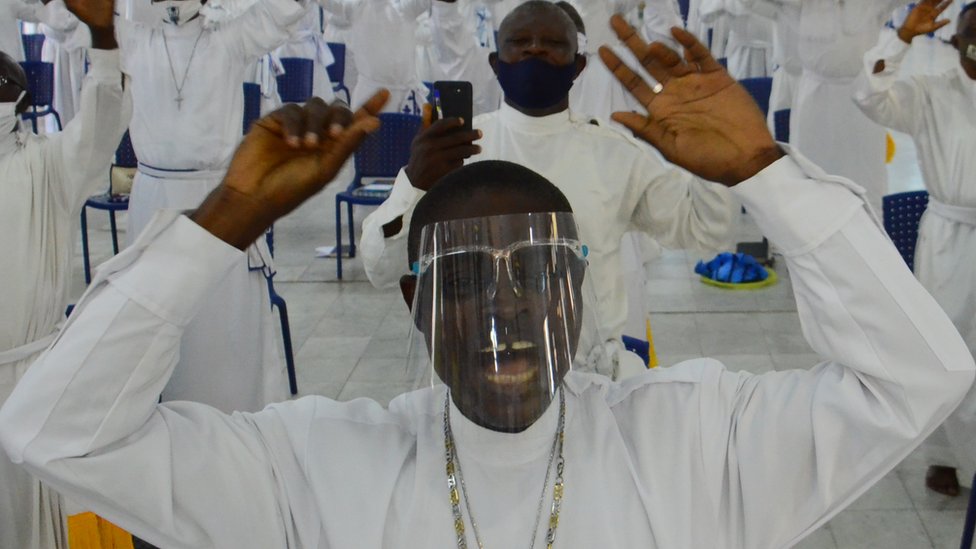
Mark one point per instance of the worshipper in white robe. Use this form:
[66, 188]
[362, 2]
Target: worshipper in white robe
[825, 125]
[736, 461]
[749, 42]
[307, 42]
[787, 67]
[614, 183]
[383, 42]
[939, 112]
[338, 30]
[186, 83]
[12, 12]
[46, 180]
[65, 44]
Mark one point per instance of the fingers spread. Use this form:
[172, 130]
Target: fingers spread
[634, 83]
[695, 51]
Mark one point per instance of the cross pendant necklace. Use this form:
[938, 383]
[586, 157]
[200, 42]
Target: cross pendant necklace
[179, 85]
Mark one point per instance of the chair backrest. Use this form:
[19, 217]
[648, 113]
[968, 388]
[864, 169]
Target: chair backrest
[759, 88]
[125, 155]
[252, 104]
[295, 86]
[902, 213]
[33, 44]
[385, 151]
[781, 123]
[337, 70]
[40, 82]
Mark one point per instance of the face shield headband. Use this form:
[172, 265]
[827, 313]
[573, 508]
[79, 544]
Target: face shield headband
[498, 311]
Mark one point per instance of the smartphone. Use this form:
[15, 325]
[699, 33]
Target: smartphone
[453, 99]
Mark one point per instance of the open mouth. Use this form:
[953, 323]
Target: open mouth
[510, 365]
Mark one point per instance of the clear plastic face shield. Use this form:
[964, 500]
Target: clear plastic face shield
[498, 312]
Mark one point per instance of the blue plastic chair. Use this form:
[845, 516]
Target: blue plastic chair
[295, 86]
[970, 525]
[759, 88]
[125, 157]
[902, 213]
[40, 83]
[683, 9]
[381, 155]
[337, 70]
[279, 302]
[781, 123]
[33, 44]
[639, 347]
[252, 104]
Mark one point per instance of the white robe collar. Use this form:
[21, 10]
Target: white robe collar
[553, 123]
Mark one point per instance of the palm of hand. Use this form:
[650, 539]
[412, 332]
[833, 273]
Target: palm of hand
[698, 122]
[923, 18]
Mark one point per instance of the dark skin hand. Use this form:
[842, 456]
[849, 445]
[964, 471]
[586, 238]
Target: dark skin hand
[286, 158]
[702, 119]
[440, 148]
[99, 15]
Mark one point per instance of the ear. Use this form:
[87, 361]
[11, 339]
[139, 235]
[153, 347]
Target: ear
[955, 42]
[408, 285]
[493, 61]
[580, 65]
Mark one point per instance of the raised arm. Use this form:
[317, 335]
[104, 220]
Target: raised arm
[83, 152]
[85, 417]
[412, 9]
[889, 101]
[344, 9]
[802, 444]
[461, 57]
[263, 27]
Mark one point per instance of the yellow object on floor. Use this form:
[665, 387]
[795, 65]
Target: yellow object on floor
[651, 353]
[89, 531]
[770, 280]
[890, 150]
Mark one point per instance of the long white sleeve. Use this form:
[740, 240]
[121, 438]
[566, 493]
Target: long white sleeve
[807, 443]
[461, 57]
[264, 27]
[385, 259]
[884, 98]
[85, 417]
[347, 10]
[412, 9]
[83, 152]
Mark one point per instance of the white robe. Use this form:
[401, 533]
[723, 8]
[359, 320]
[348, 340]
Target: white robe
[65, 44]
[183, 154]
[307, 42]
[748, 46]
[614, 184]
[46, 180]
[384, 44]
[338, 29]
[730, 460]
[12, 12]
[939, 112]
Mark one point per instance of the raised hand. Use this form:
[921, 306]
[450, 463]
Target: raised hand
[698, 116]
[439, 149]
[287, 157]
[923, 19]
[97, 14]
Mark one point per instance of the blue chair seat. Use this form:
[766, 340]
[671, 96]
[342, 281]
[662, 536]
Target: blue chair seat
[380, 156]
[295, 86]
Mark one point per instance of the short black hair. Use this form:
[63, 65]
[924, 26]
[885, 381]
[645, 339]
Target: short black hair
[536, 193]
[573, 14]
[966, 9]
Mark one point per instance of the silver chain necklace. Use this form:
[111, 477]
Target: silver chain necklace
[179, 86]
[455, 477]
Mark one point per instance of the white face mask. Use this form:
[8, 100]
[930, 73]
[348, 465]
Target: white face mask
[177, 12]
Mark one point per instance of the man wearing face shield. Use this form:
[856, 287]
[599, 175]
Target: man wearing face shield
[613, 183]
[46, 180]
[187, 61]
[939, 112]
[735, 460]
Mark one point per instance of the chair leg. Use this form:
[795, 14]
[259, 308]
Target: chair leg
[352, 232]
[115, 232]
[84, 244]
[57, 118]
[338, 250]
[286, 339]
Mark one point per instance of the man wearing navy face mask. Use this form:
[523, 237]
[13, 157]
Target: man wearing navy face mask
[613, 183]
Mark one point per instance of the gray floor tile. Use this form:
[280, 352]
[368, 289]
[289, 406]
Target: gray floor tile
[944, 527]
[888, 529]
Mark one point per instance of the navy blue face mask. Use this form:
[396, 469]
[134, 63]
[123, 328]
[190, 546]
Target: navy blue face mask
[535, 84]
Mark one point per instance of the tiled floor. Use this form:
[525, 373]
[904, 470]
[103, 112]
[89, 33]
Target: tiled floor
[350, 339]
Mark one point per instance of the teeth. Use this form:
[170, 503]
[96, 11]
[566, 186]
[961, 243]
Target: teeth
[511, 379]
[516, 346]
